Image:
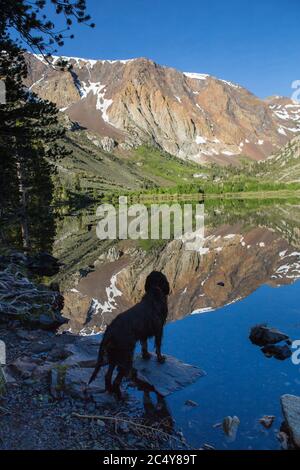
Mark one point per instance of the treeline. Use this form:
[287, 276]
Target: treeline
[204, 188]
[247, 186]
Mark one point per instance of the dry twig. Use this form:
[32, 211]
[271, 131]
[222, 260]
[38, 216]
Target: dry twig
[141, 427]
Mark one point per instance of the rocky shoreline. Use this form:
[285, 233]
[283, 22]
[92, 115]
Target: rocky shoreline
[35, 411]
[37, 414]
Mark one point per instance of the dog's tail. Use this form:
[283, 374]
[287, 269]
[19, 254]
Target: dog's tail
[100, 359]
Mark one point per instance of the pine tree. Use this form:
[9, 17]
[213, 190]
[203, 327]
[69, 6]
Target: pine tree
[28, 18]
[29, 127]
[29, 131]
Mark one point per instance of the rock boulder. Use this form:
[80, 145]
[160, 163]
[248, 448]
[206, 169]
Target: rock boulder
[291, 411]
[261, 335]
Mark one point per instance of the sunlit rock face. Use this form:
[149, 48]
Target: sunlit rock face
[190, 115]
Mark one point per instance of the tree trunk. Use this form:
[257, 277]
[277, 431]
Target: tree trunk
[23, 203]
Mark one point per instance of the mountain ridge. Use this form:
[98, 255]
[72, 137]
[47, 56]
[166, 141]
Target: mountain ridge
[193, 116]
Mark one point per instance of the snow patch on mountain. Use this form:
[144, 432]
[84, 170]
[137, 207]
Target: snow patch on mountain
[79, 61]
[99, 90]
[281, 131]
[233, 85]
[228, 152]
[196, 76]
[200, 140]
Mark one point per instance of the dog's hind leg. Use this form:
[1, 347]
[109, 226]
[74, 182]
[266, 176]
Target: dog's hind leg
[108, 377]
[145, 354]
[100, 360]
[117, 382]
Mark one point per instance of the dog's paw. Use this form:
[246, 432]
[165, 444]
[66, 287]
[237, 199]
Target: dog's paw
[118, 394]
[108, 389]
[133, 374]
[161, 359]
[146, 356]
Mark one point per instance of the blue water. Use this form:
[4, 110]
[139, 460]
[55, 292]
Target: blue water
[240, 380]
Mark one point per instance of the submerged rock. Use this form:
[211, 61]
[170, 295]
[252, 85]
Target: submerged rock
[261, 335]
[230, 427]
[291, 411]
[273, 342]
[283, 439]
[267, 421]
[191, 403]
[280, 352]
[207, 447]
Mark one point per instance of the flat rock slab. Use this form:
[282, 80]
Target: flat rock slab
[165, 378]
[291, 411]
[73, 381]
[83, 351]
[169, 377]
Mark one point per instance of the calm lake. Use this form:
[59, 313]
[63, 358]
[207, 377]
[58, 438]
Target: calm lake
[247, 273]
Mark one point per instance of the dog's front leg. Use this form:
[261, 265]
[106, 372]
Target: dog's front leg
[146, 355]
[108, 377]
[158, 339]
[117, 382]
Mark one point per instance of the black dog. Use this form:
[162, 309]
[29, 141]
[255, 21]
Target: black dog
[145, 320]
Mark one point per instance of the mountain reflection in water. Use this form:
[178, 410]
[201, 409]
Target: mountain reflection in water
[247, 244]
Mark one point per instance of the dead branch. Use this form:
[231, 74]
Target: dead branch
[134, 424]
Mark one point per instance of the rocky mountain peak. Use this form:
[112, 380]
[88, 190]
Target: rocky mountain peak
[190, 115]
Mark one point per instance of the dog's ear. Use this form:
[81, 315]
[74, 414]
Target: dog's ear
[157, 280]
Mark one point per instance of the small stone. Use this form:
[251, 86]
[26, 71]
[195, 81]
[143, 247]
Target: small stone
[101, 423]
[217, 425]
[191, 403]
[10, 380]
[91, 408]
[24, 367]
[230, 427]
[208, 447]
[124, 427]
[29, 382]
[280, 352]
[267, 421]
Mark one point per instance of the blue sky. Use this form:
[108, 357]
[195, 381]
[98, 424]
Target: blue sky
[254, 43]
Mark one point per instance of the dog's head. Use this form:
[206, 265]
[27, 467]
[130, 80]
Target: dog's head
[157, 280]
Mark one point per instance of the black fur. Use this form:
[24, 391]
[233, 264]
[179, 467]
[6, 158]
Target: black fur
[145, 320]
